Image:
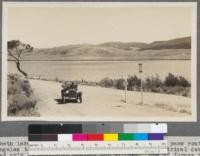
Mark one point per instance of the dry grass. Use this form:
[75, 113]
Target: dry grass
[176, 108]
[21, 100]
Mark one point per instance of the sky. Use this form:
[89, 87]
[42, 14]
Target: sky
[56, 26]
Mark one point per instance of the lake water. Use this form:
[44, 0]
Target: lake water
[97, 70]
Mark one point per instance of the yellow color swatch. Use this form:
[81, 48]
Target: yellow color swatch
[110, 137]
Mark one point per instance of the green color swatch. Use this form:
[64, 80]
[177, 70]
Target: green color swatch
[125, 136]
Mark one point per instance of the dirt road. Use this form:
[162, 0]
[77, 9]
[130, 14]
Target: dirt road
[98, 101]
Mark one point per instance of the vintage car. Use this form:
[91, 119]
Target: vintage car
[71, 93]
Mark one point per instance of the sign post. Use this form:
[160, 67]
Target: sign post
[141, 87]
[125, 84]
[125, 90]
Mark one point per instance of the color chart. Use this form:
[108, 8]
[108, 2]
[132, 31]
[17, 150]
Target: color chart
[74, 139]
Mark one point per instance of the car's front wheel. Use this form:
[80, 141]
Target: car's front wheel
[80, 99]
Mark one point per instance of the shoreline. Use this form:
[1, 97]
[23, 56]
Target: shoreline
[98, 60]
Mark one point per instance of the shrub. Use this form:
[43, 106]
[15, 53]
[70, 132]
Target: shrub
[21, 102]
[172, 84]
[133, 82]
[157, 90]
[183, 82]
[20, 95]
[106, 82]
[178, 90]
[153, 83]
[120, 83]
[172, 80]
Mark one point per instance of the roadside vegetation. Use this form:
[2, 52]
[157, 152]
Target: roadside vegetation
[172, 84]
[21, 100]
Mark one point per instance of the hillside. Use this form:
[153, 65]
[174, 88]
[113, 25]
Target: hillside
[179, 43]
[125, 46]
[179, 48]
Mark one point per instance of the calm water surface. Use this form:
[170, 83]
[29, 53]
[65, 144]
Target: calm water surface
[97, 70]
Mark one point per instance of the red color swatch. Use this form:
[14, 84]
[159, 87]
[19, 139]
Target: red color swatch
[95, 137]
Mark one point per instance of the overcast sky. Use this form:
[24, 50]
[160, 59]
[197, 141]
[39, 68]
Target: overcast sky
[56, 26]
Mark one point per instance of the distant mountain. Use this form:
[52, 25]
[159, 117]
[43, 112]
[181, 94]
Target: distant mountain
[179, 43]
[179, 48]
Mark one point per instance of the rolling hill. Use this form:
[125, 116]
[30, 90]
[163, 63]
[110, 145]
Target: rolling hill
[179, 43]
[179, 48]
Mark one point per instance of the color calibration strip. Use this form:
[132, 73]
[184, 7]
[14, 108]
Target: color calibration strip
[97, 128]
[97, 137]
[106, 138]
[96, 132]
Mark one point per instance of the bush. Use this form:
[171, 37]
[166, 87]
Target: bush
[120, 83]
[178, 90]
[106, 82]
[172, 84]
[133, 82]
[157, 90]
[183, 82]
[20, 95]
[153, 81]
[21, 102]
[172, 80]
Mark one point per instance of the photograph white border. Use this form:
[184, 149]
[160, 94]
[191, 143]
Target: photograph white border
[193, 117]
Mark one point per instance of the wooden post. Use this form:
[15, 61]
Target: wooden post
[125, 84]
[125, 90]
[141, 85]
[141, 90]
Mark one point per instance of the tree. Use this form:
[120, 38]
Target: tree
[171, 80]
[16, 50]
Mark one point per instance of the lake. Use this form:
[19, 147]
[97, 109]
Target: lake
[97, 70]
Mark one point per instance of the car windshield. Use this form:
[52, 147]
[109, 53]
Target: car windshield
[68, 85]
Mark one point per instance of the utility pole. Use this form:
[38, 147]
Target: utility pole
[141, 87]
